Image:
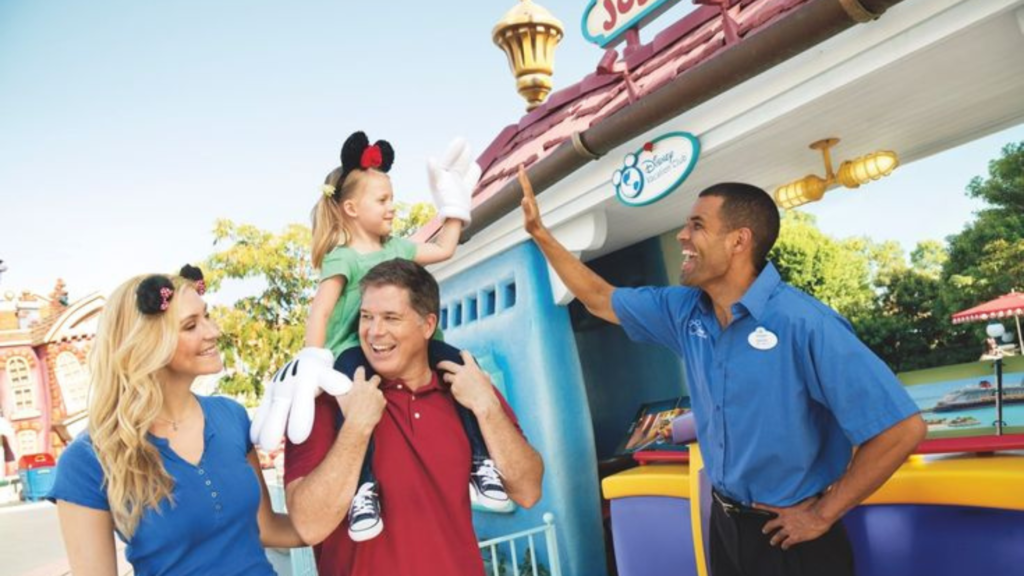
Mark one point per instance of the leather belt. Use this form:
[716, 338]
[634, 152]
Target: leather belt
[734, 508]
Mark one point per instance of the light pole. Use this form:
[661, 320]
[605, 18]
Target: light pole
[996, 331]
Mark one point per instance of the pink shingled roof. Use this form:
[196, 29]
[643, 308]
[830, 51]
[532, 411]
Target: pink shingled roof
[693, 40]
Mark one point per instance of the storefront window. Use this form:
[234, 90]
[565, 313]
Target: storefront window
[21, 384]
[74, 382]
[27, 442]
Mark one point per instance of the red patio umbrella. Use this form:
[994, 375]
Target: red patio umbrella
[1006, 306]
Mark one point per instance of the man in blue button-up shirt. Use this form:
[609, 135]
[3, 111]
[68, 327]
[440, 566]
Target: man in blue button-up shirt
[782, 390]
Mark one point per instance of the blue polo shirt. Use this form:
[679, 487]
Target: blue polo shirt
[211, 528]
[781, 395]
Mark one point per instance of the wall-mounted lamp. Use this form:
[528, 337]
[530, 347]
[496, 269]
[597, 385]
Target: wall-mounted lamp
[852, 173]
[528, 35]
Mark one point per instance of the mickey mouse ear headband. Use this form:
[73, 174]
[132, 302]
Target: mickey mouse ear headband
[358, 154]
[193, 273]
[154, 294]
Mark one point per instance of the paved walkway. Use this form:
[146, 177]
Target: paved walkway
[31, 544]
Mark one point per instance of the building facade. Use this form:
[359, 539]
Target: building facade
[44, 376]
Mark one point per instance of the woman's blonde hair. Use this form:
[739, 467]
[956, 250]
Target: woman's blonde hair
[129, 349]
[329, 226]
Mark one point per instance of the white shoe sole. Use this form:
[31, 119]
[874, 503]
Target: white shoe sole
[490, 504]
[368, 534]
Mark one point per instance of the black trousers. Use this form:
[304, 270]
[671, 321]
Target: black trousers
[738, 548]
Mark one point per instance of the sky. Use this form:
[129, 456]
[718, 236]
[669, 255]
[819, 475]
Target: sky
[127, 128]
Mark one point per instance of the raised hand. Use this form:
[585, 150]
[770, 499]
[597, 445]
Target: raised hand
[452, 181]
[290, 397]
[531, 213]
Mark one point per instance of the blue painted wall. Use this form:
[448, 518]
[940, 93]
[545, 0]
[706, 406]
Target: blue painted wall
[502, 311]
[621, 375]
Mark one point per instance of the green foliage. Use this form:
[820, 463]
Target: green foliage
[412, 217]
[909, 325]
[903, 326]
[902, 311]
[264, 329]
[983, 253]
[1005, 185]
[837, 272]
[985, 259]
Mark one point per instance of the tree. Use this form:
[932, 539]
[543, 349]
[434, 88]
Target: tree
[985, 259]
[264, 329]
[837, 272]
[902, 326]
[1002, 221]
[412, 217]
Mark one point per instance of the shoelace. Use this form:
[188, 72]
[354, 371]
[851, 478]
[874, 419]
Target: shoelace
[363, 503]
[490, 474]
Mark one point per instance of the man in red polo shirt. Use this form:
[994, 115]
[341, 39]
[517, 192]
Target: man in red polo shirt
[422, 457]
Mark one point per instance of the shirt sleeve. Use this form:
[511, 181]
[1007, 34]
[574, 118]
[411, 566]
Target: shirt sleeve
[338, 262]
[238, 419]
[646, 315]
[301, 459]
[862, 393]
[403, 248]
[79, 477]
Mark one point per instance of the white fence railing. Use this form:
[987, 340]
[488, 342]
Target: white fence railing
[501, 556]
[496, 561]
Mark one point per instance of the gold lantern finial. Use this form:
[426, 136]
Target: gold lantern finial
[852, 173]
[528, 35]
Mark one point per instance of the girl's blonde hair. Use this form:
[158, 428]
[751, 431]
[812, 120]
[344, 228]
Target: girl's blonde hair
[330, 229]
[129, 349]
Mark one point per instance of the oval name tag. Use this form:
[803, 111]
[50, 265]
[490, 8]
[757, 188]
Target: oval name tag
[762, 339]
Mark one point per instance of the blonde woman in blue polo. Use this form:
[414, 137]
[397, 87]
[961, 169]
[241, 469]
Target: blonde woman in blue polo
[171, 473]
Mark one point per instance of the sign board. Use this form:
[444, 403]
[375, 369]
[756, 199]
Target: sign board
[605, 21]
[656, 169]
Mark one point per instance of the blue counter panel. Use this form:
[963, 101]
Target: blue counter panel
[652, 536]
[928, 540]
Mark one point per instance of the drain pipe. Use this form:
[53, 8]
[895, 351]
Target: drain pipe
[803, 28]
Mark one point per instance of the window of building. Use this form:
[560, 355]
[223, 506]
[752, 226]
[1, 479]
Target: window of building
[74, 381]
[489, 303]
[21, 384]
[27, 442]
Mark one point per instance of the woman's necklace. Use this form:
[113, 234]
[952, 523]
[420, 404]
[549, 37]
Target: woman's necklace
[174, 423]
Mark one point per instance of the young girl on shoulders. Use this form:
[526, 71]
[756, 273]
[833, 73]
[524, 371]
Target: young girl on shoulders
[352, 224]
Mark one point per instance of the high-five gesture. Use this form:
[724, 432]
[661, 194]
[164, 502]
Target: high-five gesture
[531, 213]
[588, 287]
[452, 181]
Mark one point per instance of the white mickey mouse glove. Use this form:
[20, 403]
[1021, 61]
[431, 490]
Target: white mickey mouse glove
[452, 181]
[290, 397]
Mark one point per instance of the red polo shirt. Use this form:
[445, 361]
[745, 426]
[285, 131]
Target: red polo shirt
[422, 461]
